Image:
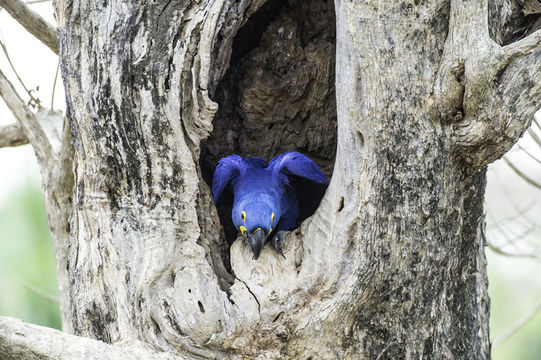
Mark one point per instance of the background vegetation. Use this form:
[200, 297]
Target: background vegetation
[28, 286]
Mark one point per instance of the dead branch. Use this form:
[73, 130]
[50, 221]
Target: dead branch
[522, 175]
[27, 119]
[516, 326]
[32, 22]
[12, 135]
[19, 340]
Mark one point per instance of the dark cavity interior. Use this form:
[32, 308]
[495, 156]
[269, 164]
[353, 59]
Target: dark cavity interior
[278, 94]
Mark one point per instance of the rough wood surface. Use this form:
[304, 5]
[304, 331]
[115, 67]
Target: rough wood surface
[392, 263]
[19, 340]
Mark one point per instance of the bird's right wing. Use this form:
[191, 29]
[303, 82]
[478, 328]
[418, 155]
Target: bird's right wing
[229, 169]
[297, 164]
[300, 173]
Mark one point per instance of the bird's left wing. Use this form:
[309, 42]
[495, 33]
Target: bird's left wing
[297, 164]
[229, 169]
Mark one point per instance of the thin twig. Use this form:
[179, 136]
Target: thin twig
[6, 53]
[36, 1]
[512, 239]
[32, 22]
[528, 153]
[534, 137]
[537, 123]
[516, 326]
[521, 174]
[500, 251]
[54, 84]
[28, 121]
[39, 292]
[520, 213]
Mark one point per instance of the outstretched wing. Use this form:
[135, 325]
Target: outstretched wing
[300, 173]
[294, 163]
[229, 169]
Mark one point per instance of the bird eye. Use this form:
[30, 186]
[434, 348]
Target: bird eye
[243, 215]
[272, 217]
[242, 230]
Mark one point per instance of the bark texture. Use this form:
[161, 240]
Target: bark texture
[391, 265]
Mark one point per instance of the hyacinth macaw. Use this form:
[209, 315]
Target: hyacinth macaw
[269, 199]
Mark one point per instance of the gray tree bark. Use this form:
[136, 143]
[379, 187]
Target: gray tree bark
[392, 263]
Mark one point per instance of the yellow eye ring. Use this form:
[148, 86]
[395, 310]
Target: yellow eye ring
[242, 230]
[243, 215]
[272, 217]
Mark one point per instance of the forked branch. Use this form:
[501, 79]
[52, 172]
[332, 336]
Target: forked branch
[27, 119]
[495, 96]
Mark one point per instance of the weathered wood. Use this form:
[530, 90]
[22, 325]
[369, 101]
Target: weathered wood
[392, 263]
[12, 135]
[19, 340]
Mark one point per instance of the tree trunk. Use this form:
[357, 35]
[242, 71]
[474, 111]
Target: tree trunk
[391, 265]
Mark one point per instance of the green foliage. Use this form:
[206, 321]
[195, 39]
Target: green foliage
[27, 259]
[514, 289]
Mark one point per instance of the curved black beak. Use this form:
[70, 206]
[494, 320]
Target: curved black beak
[256, 242]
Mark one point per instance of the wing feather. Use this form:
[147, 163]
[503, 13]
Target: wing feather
[229, 169]
[297, 164]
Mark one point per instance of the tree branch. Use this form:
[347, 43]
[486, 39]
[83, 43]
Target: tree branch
[516, 326]
[20, 340]
[12, 135]
[534, 136]
[522, 175]
[502, 252]
[27, 119]
[521, 48]
[33, 100]
[485, 89]
[505, 100]
[524, 150]
[32, 22]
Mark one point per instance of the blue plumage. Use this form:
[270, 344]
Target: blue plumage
[266, 198]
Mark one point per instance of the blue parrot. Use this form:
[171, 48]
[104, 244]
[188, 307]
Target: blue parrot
[269, 199]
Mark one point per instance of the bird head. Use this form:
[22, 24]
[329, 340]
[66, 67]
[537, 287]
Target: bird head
[255, 220]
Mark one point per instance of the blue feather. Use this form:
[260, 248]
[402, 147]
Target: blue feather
[294, 163]
[266, 197]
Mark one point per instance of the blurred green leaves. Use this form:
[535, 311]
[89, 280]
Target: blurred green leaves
[27, 259]
[514, 289]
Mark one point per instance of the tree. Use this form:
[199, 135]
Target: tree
[392, 263]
